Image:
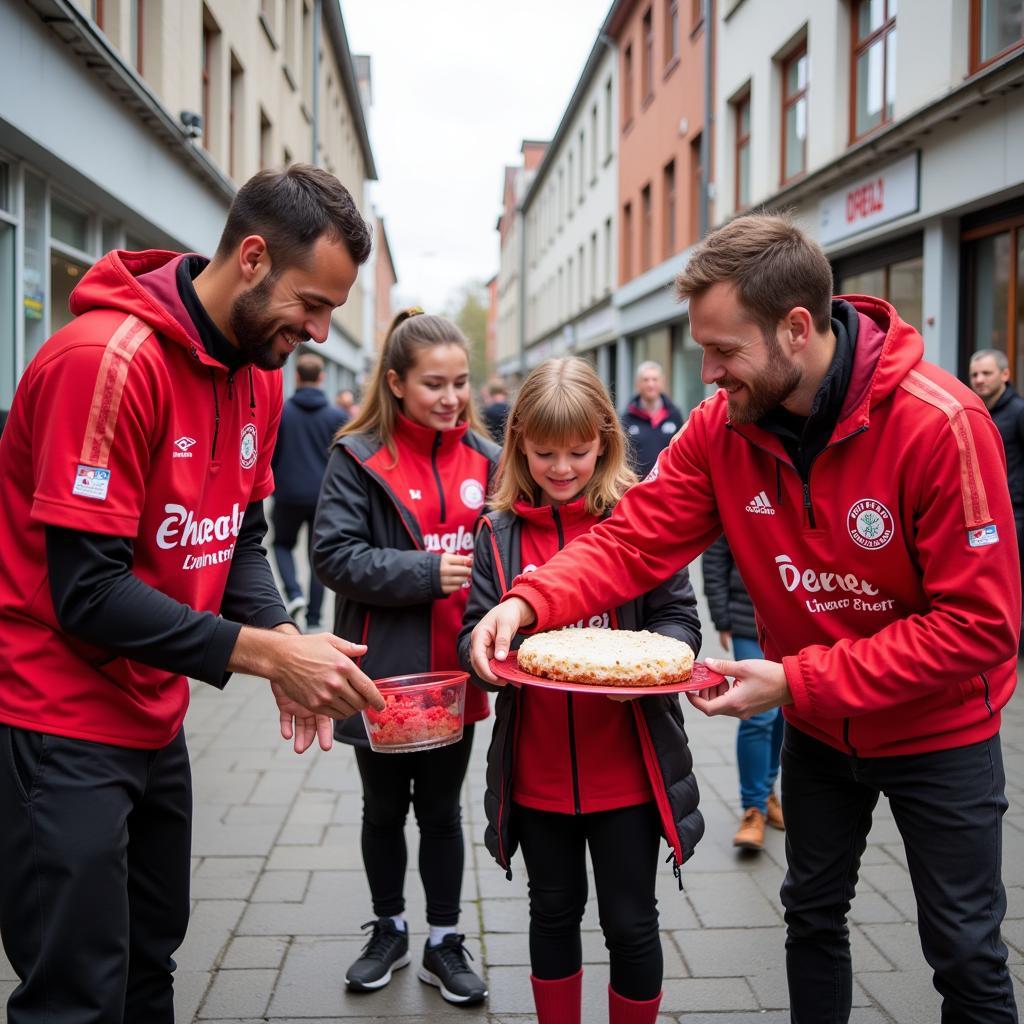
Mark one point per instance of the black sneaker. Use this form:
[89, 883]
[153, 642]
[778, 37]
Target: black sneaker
[445, 967]
[387, 950]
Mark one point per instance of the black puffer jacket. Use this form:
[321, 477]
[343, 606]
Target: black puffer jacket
[728, 601]
[1008, 414]
[671, 610]
[368, 549]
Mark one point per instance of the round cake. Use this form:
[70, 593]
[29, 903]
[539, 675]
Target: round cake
[607, 657]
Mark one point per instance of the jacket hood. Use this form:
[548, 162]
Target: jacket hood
[309, 398]
[142, 284]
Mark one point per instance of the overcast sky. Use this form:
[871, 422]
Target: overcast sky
[457, 86]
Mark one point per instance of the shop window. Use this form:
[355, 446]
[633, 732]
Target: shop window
[65, 273]
[34, 272]
[5, 186]
[69, 225]
[8, 369]
[899, 282]
[686, 387]
[994, 292]
[741, 155]
[873, 65]
[794, 114]
[997, 28]
[110, 236]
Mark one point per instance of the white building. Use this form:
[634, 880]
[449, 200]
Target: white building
[130, 123]
[895, 135]
[571, 242]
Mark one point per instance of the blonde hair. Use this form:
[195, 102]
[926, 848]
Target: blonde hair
[563, 402]
[411, 331]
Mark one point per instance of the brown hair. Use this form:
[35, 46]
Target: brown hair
[309, 367]
[411, 331]
[290, 210]
[563, 402]
[773, 265]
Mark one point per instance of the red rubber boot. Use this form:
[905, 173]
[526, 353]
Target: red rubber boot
[558, 1001]
[628, 1011]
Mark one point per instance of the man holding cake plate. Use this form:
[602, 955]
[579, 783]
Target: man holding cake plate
[863, 493]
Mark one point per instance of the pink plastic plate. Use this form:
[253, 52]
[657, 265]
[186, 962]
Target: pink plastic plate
[510, 671]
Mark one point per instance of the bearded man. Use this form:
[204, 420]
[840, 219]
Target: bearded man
[863, 493]
[135, 463]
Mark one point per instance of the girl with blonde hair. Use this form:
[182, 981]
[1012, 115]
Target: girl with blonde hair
[570, 771]
[393, 538]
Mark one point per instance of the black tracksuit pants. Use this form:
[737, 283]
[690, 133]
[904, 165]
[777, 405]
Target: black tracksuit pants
[948, 806]
[624, 852]
[94, 877]
[431, 780]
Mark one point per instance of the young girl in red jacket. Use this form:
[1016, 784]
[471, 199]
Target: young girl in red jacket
[568, 771]
[393, 538]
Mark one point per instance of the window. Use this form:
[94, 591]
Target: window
[873, 65]
[266, 141]
[627, 241]
[135, 29]
[608, 120]
[627, 86]
[671, 31]
[570, 181]
[741, 160]
[97, 12]
[668, 216]
[696, 14]
[696, 188]
[997, 27]
[593, 266]
[994, 292]
[569, 284]
[794, 114]
[209, 63]
[307, 52]
[582, 295]
[593, 144]
[646, 228]
[582, 194]
[647, 63]
[608, 255]
[235, 107]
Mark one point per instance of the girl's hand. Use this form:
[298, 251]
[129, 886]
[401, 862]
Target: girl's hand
[455, 570]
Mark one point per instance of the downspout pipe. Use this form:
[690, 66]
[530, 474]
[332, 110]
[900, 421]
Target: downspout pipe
[709, 118]
[315, 65]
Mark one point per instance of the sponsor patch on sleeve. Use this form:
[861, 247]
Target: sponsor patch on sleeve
[91, 482]
[983, 536]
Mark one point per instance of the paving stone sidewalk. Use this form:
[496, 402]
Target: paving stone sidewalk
[279, 896]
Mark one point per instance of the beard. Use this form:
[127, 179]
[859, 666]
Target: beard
[255, 330]
[768, 391]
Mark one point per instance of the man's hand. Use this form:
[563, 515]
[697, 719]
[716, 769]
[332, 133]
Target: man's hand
[455, 570]
[493, 635]
[314, 671]
[759, 686]
[302, 724]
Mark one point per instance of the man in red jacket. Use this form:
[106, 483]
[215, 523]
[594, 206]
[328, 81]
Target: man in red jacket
[135, 463]
[863, 493]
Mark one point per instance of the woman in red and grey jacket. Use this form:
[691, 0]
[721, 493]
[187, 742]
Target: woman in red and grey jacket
[393, 538]
[567, 771]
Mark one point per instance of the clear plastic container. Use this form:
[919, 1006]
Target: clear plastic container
[422, 711]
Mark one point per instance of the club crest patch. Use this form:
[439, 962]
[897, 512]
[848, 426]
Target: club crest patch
[247, 451]
[91, 482]
[472, 493]
[870, 524]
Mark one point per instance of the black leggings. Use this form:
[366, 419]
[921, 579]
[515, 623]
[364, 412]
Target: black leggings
[431, 780]
[624, 851]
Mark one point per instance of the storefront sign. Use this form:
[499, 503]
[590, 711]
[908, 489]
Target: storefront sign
[889, 193]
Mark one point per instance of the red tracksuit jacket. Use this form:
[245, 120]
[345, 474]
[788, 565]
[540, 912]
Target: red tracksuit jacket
[888, 585]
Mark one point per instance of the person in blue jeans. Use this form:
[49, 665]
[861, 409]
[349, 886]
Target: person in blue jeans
[759, 739]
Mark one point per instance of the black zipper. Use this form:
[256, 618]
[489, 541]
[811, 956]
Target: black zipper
[437, 475]
[846, 736]
[216, 415]
[807, 499]
[988, 703]
[568, 697]
[231, 386]
[572, 757]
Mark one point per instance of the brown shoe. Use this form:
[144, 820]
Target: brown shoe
[751, 831]
[774, 815]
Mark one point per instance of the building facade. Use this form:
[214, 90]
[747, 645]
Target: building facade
[130, 124]
[509, 337]
[663, 162]
[570, 261]
[895, 135]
